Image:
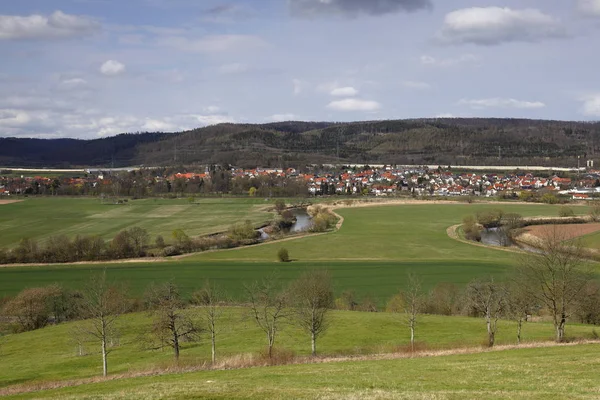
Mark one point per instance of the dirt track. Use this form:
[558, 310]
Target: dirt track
[9, 201]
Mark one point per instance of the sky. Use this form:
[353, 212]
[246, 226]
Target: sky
[96, 68]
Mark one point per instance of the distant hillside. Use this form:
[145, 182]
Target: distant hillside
[461, 141]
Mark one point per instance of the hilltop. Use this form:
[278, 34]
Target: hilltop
[443, 141]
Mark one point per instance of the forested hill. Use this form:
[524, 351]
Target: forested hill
[456, 141]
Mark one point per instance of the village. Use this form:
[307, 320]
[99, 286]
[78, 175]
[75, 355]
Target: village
[315, 181]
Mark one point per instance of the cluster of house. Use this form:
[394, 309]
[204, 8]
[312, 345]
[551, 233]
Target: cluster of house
[378, 181]
[388, 180]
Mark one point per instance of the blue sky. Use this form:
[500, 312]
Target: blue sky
[93, 68]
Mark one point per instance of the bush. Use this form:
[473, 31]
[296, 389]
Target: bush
[283, 255]
[490, 219]
[549, 198]
[160, 242]
[171, 251]
[565, 211]
[595, 211]
[280, 205]
[243, 231]
[323, 219]
[395, 304]
[471, 230]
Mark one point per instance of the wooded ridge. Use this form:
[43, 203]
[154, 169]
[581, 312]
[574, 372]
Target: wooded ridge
[443, 141]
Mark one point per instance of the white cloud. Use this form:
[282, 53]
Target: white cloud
[10, 118]
[451, 62]
[282, 117]
[327, 87]
[445, 115]
[214, 43]
[154, 125]
[589, 7]
[354, 105]
[212, 110]
[347, 91]
[591, 105]
[417, 85]
[233, 68]
[205, 120]
[496, 25]
[112, 68]
[54, 26]
[478, 104]
[298, 86]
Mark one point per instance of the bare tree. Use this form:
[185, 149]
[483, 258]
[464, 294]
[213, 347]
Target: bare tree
[268, 308]
[487, 299]
[102, 304]
[413, 304]
[313, 298]
[211, 298]
[519, 304]
[556, 276]
[171, 324]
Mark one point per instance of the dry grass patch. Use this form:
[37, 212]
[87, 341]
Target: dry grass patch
[9, 201]
[568, 231]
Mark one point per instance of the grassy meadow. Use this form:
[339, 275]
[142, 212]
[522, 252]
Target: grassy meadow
[50, 354]
[529, 373]
[39, 218]
[371, 254]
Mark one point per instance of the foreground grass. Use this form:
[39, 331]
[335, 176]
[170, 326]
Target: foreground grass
[50, 354]
[532, 373]
[39, 218]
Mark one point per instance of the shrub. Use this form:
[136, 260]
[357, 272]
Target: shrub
[160, 242]
[549, 198]
[595, 211]
[395, 304]
[171, 251]
[280, 205]
[490, 219]
[283, 255]
[565, 211]
[243, 231]
[323, 219]
[471, 230]
[346, 301]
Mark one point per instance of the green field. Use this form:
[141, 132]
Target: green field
[39, 218]
[544, 373]
[591, 241]
[50, 354]
[371, 254]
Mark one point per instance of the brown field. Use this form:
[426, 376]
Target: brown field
[568, 231]
[9, 201]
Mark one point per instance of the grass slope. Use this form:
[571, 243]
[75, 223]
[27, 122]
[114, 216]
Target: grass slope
[543, 373]
[38, 218]
[50, 354]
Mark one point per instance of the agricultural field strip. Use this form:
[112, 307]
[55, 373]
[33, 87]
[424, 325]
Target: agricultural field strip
[41, 218]
[557, 372]
[51, 355]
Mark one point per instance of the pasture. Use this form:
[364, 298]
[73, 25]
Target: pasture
[39, 218]
[528, 373]
[51, 354]
[371, 254]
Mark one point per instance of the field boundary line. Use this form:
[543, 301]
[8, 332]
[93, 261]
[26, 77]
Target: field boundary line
[306, 360]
